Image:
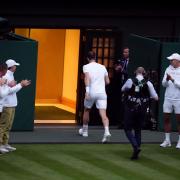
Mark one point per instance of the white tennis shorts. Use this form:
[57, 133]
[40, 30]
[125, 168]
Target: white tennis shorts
[98, 98]
[170, 105]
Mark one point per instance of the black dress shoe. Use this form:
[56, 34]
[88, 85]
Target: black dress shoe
[135, 154]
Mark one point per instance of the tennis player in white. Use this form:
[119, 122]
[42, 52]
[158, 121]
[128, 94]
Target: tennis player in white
[171, 82]
[96, 78]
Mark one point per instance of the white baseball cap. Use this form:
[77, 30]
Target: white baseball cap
[175, 56]
[11, 62]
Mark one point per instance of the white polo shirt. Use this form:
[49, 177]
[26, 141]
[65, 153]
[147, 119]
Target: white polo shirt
[97, 73]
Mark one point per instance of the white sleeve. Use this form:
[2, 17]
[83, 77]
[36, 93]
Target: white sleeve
[127, 85]
[85, 69]
[152, 91]
[177, 83]
[15, 89]
[6, 90]
[164, 82]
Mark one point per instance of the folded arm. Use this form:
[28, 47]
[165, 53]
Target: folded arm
[6, 90]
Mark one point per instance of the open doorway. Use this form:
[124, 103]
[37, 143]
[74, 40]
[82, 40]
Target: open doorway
[107, 44]
[57, 73]
[61, 55]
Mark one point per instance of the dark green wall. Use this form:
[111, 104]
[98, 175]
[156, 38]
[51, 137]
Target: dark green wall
[23, 51]
[143, 52]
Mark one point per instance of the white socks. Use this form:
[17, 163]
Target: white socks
[106, 128]
[179, 138]
[85, 127]
[167, 137]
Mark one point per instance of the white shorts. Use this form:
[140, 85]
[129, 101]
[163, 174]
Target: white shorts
[99, 99]
[170, 105]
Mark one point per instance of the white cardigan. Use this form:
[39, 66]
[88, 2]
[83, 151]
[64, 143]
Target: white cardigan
[172, 88]
[11, 99]
[6, 90]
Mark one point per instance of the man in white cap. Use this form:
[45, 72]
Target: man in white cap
[171, 81]
[11, 64]
[4, 91]
[10, 103]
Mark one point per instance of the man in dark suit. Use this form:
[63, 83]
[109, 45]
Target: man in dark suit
[122, 64]
[120, 76]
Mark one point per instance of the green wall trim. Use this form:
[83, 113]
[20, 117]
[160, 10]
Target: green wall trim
[24, 51]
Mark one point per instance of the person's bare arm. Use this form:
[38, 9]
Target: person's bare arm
[87, 83]
[86, 79]
[107, 80]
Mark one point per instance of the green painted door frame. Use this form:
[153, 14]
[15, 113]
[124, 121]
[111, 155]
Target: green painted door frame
[24, 51]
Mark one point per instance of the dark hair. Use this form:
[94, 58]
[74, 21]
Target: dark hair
[91, 55]
[3, 67]
[140, 70]
[125, 47]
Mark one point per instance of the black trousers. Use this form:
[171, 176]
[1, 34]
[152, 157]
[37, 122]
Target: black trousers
[133, 121]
